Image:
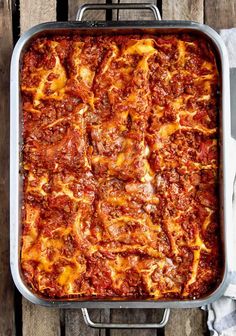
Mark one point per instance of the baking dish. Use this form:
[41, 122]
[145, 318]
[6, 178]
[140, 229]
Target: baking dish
[150, 27]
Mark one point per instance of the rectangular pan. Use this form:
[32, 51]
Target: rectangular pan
[99, 28]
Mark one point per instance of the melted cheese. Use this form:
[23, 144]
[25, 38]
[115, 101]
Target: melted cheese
[193, 277]
[181, 57]
[110, 207]
[207, 220]
[56, 85]
[141, 47]
[39, 183]
[167, 130]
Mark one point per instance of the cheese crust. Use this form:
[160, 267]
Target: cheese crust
[120, 167]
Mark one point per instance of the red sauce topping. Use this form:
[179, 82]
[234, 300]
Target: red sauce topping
[120, 167]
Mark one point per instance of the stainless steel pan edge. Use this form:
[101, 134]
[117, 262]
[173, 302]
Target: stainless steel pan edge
[15, 148]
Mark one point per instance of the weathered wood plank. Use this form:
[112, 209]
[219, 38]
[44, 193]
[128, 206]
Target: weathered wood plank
[7, 324]
[136, 316]
[37, 11]
[74, 322]
[92, 15]
[220, 13]
[188, 321]
[183, 10]
[38, 321]
[138, 14]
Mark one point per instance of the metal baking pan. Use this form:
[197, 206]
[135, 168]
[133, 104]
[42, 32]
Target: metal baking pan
[121, 27]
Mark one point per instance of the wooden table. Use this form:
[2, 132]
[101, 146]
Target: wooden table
[18, 316]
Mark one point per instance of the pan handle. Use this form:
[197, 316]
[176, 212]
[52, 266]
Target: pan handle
[149, 6]
[92, 324]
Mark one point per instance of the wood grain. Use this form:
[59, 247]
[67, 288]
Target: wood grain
[183, 10]
[98, 15]
[74, 322]
[7, 323]
[138, 14]
[38, 321]
[136, 316]
[189, 322]
[220, 13]
[35, 12]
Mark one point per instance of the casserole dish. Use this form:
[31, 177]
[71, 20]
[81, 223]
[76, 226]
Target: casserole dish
[93, 28]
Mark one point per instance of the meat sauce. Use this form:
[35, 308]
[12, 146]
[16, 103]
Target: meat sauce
[120, 167]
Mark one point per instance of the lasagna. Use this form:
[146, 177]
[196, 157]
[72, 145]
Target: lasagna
[120, 167]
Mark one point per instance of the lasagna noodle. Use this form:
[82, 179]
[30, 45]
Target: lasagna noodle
[120, 165]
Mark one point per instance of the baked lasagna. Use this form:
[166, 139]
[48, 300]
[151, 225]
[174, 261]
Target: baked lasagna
[120, 167]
